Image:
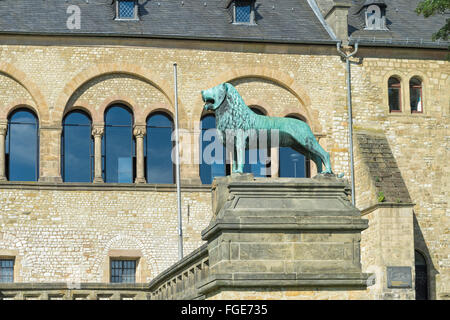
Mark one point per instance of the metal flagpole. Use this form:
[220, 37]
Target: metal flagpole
[177, 151]
[350, 116]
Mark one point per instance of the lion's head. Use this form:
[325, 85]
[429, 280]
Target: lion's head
[214, 97]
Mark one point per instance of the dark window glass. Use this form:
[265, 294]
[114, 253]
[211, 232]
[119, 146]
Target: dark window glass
[209, 171]
[243, 10]
[259, 169]
[118, 145]
[160, 168]
[123, 271]
[126, 10]
[22, 146]
[292, 164]
[77, 148]
[421, 277]
[415, 91]
[394, 88]
[6, 270]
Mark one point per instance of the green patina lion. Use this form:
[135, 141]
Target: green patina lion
[233, 115]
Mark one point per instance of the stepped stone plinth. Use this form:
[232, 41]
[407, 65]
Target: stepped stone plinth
[282, 233]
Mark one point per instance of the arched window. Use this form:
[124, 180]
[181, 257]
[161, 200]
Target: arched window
[118, 145]
[77, 148]
[212, 164]
[292, 163]
[395, 94]
[158, 149]
[415, 94]
[421, 276]
[22, 146]
[253, 161]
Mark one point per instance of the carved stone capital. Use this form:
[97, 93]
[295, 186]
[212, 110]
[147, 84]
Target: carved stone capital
[3, 129]
[98, 131]
[140, 131]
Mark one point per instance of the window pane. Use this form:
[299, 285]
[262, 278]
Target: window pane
[6, 271]
[22, 146]
[159, 149]
[415, 89]
[394, 91]
[77, 148]
[292, 164]
[126, 9]
[119, 145]
[209, 171]
[243, 11]
[123, 271]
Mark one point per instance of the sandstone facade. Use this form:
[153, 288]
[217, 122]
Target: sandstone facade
[51, 226]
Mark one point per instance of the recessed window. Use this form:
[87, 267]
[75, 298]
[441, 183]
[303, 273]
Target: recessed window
[243, 12]
[77, 154]
[6, 270]
[421, 276]
[257, 161]
[395, 96]
[158, 150]
[22, 146]
[293, 164]
[123, 271]
[126, 10]
[213, 160]
[119, 150]
[415, 94]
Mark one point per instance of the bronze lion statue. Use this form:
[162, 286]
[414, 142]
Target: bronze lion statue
[234, 117]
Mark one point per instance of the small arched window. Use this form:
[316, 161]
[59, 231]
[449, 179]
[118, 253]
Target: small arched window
[77, 148]
[22, 146]
[415, 95]
[118, 145]
[292, 163]
[158, 149]
[212, 156]
[395, 94]
[254, 163]
[421, 276]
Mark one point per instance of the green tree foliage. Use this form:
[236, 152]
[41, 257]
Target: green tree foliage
[431, 7]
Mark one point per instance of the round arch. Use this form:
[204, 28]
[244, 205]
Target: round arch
[80, 106]
[99, 115]
[107, 69]
[158, 108]
[22, 104]
[259, 108]
[279, 78]
[41, 106]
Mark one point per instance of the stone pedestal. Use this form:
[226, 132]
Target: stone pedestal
[273, 235]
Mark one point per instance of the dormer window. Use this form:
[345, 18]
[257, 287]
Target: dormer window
[375, 15]
[126, 10]
[243, 12]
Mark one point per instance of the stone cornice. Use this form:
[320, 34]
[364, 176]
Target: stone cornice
[380, 205]
[68, 186]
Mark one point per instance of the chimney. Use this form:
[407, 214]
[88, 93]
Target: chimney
[337, 18]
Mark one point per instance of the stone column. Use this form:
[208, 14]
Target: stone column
[97, 133]
[3, 130]
[275, 162]
[139, 133]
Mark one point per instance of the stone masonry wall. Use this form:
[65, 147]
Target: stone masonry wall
[69, 235]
